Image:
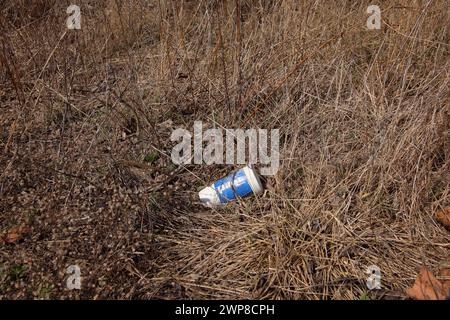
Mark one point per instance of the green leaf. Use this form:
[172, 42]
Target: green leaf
[364, 296]
[151, 157]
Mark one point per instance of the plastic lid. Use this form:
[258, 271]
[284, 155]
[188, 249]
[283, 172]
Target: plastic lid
[253, 179]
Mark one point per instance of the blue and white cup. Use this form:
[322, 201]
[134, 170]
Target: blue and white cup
[241, 183]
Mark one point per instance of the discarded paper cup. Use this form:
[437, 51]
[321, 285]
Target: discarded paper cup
[241, 183]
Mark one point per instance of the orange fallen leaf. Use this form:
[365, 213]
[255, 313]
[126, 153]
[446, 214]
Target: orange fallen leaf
[427, 287]
[15, 234]
[444, 217]
[445, 273]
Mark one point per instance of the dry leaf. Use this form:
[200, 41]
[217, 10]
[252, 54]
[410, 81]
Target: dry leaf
[15, 234]
[427, 287]
[445, 273]
[444, 217]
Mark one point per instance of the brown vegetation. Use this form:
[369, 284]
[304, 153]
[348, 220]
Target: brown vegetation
[364, 119]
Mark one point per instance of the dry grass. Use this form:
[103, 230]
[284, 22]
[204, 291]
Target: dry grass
[364, 117]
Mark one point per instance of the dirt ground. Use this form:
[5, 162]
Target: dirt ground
[86, 176]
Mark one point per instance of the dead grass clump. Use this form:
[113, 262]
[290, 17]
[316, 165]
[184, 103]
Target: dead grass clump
[365, 138]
